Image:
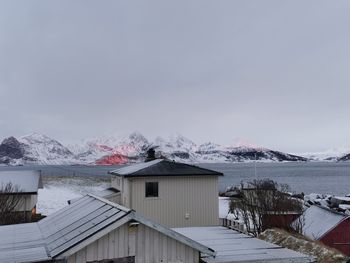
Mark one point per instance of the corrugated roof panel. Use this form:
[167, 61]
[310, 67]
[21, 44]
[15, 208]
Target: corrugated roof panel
[21, 243]
[76, 224]
[75, 215]
[34, 254]
[82, 226]
[58, 214]
[85, 231]
[232, 246]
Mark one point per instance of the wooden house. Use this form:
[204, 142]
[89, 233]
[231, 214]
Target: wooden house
[171, 193]
[329, 227]
[24, 187]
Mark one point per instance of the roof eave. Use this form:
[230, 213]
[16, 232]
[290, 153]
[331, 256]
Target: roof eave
[167, 175]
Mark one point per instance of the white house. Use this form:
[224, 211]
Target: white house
[25, 185]
[171, 193]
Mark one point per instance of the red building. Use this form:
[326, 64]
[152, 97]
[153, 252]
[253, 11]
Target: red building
[329, 227]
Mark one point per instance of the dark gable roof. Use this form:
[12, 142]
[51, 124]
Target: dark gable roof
[161, 167]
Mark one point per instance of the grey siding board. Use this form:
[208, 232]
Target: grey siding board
[153, 246]
[150, 246]
[111, 246]
[178, 196]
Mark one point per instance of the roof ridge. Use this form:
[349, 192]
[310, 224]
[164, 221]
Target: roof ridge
[116, 173]
[332, 211]
[159, 160]
[120, 207]
[206, 169]
[162, 167]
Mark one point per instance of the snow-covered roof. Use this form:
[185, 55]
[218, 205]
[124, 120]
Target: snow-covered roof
[233, 246]
[320, 220]
[162, 167]
[26, 181]
[130, 169]
[80, 223]
[22, 243]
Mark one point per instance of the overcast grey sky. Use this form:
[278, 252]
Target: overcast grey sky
[273, 72]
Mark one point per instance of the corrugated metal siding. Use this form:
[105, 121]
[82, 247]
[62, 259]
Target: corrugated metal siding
[116, 182]
[113, 245]
[197, 196]
[152, 246]
[122, 184]
[149, 246]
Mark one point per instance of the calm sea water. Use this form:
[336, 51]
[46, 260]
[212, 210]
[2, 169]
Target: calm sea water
[326, 178]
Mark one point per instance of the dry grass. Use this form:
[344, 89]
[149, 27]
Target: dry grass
[299, 243]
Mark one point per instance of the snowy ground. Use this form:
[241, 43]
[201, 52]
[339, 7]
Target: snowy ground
[58, 190]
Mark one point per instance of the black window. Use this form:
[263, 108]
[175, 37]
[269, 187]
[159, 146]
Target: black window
[151, 189]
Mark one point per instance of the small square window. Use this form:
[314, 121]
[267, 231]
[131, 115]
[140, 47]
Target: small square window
[151, 189]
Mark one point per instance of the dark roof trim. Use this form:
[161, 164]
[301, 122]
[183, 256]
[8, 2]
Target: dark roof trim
[20, 193]
[139, 172]
[167, 175]
[212, 172]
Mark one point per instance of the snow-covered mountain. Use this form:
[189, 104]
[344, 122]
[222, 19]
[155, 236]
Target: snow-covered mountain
[41, 149]
[333, 154]
[111, 150]
[176, 147]
[36, 149]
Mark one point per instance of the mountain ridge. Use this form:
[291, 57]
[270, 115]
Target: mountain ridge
[41, 149]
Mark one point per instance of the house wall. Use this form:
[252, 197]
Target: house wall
[339, 237]
[113, 245]
[115, 198]
[182, 202]
[116, 182]
[122, 184]
[283, 221]
[27, 202]
[142, 242]
[153, 246]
